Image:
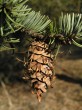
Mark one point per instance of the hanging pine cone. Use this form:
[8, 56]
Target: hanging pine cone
[40, 67]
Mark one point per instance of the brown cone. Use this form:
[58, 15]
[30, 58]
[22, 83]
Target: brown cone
[40, 67]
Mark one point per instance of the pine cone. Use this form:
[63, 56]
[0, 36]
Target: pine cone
[40, 67]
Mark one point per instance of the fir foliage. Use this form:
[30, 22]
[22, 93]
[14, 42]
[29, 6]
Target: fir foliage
[70, 26]
[15, 15]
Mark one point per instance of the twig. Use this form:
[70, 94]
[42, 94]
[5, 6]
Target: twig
[24, 62]
[19, 60]
[62, 69]
[7, 94]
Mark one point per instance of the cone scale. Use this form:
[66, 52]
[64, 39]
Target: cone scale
[40, 67]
